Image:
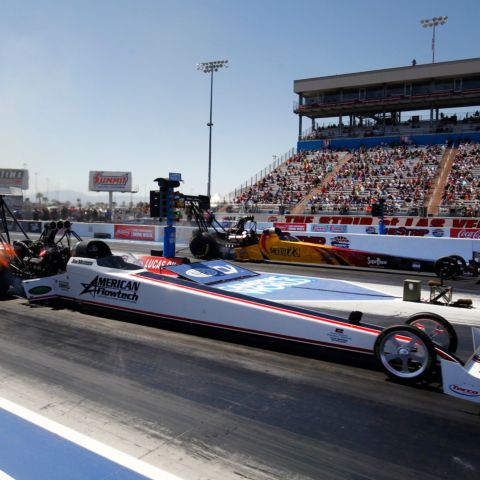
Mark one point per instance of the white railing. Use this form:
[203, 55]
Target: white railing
[277, 162]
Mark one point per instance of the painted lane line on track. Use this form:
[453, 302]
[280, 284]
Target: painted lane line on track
[112, 454]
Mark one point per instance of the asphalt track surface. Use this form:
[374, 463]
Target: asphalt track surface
[209, 405]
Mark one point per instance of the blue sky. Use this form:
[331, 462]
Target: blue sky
[112, 84]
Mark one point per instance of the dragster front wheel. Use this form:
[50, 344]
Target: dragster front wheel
[406, 354]
[438, 329]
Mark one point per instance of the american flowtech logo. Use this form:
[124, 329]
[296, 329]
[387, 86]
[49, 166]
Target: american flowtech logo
[124, 290]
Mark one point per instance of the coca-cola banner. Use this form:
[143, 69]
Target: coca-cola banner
[465, 233]
[110, 181]
[291, 227]
[135, 232]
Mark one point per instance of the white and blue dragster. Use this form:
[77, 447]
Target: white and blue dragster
[221, 295]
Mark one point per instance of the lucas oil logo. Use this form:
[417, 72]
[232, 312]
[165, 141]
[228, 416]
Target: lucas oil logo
[123, 290]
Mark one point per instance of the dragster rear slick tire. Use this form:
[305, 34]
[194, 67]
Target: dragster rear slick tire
[406, 354]
[447, 268]
[204, 246]
[439, 330]
[4, 282]
[461, 264]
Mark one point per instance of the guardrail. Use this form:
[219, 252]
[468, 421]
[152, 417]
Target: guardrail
[261, 174]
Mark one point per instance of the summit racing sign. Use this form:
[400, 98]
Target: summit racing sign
[112, 288]
[110, 181]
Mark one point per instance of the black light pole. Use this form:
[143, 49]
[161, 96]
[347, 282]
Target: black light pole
[210, 67]
[433, 22]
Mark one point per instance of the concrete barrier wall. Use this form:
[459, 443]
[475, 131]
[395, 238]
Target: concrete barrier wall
[428, 248]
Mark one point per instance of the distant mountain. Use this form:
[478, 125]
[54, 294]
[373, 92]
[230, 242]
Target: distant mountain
[93, 197]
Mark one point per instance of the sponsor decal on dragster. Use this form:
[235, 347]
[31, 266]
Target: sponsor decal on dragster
[339, 336]
[340, 241]
[158, 264]
[40, 290]
[112, 288]
[285, 251]
[376, 262]
[80, 261]
[466, 392]
[266, 285]
[211, 272]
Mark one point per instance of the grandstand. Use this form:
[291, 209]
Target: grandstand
[386, 134]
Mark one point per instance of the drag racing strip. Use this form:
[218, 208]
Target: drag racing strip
[209, 407]
[36, 447]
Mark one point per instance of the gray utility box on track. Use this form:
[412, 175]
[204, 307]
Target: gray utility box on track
[412, 290]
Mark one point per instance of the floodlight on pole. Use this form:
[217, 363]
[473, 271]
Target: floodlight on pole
[210, 67]
[433, 22]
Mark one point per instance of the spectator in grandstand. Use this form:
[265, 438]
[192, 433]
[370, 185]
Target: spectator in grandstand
[462, 189]
[402, 175]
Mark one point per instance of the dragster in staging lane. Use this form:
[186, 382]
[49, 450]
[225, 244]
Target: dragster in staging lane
[242, 242]
[222, 295]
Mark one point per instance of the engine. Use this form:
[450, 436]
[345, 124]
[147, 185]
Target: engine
[45, 256]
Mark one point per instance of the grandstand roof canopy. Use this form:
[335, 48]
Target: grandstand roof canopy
[415, 87]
